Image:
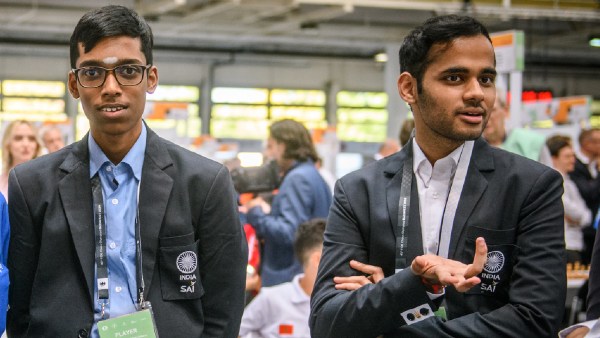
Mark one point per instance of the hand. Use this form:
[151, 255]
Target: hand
[351, 283]
[258, 202]
[253, 282]
[579, 332]
[572, 222]
[442, 271]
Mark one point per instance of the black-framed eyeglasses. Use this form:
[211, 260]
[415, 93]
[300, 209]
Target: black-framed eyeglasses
[95, 76]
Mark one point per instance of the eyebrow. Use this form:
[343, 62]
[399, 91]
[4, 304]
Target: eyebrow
[92, 63]
[464, 70]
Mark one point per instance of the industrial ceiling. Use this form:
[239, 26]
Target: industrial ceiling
[556, 31]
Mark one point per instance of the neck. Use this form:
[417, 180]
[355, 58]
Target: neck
[286, 165]
[435, 149]
[307, 283]
[588, 154]
[115, 147]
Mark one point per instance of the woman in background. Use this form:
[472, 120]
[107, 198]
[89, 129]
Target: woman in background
[19, 145]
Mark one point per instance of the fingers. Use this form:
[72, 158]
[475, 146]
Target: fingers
[350, 283]
[375, 273]
[467, 284]
[479, 259]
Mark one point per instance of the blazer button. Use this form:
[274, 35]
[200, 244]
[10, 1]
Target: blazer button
[82, 333]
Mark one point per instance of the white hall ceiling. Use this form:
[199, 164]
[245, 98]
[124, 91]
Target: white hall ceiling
[556, 31]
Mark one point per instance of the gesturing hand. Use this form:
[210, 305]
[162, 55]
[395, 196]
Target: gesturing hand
[437, 270]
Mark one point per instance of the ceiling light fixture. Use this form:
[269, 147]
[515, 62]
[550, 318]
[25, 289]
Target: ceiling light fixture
[381, 57]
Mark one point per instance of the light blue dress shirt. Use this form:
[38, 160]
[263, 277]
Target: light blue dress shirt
[120, 191]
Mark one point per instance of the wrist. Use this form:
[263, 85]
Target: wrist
[432, 287]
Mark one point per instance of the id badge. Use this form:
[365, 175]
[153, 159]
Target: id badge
[139, 324]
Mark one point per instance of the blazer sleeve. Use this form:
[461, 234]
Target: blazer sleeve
[593, 296]
[224, 253]
[370, 310]
[295, 202]
[22, 259]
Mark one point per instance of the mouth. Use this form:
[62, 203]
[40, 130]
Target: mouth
[472, 116]
[112, 108]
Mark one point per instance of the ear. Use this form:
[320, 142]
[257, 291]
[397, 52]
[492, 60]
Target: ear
[407, 87]
[152, 79]
[72, 84]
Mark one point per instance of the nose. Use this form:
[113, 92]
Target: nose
[473, 91]
[111, 86]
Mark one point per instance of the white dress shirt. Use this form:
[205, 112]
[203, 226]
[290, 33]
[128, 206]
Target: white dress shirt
[577, 211]
[434, 186]
[278, 311]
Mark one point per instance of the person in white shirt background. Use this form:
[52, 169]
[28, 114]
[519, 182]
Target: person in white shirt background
[577, 215]
[283, 310]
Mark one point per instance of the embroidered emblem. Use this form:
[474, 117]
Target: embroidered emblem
[495, 262]
[187, 262]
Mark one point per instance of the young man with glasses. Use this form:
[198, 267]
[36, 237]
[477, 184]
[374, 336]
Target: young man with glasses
[122, 221]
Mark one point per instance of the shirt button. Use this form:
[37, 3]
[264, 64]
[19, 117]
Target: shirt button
[118, 289]
[115, 201]
[112, 245]
[436, 195]
[108, 168]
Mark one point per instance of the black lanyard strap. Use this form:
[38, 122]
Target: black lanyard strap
[101, 258]
[100, 235]
[404, 211]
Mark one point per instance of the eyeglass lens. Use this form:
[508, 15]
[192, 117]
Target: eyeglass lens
[126, 75]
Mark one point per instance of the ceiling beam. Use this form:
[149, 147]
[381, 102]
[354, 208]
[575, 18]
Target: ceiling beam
[455, 8]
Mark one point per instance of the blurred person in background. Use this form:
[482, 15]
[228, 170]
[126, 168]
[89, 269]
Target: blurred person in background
[577, 215]
[19, 145]
[52, 137]
[586, 178]
[405, 131]
[302, 195]
[524, 142]
[387, 148]
[283, 310]
[4, 280]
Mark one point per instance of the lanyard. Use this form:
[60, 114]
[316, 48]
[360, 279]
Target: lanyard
[101, 258]
[404, 209]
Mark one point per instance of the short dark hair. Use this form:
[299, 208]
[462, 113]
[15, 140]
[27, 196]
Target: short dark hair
[296, 138]
[586, 134]
[309, 236]
[556, 143]
[110, 21]
[414, 52]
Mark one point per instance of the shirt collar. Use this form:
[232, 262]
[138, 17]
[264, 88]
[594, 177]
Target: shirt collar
[299, 296]
[420, 158]
[583, 158]
[134, 158]
[445, 167]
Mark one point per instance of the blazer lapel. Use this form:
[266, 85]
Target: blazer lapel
[473, 189]
[155, 190]
[393, 169]
[75, 192]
